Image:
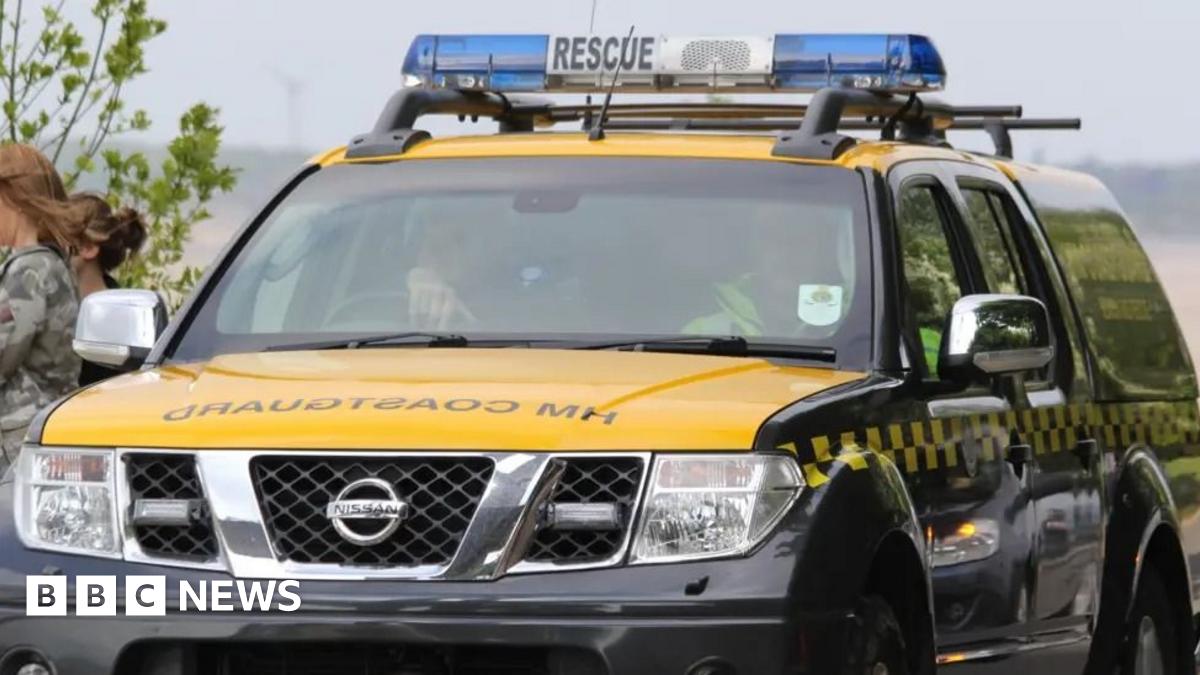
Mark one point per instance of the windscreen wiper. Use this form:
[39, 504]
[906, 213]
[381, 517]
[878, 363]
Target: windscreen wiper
[415, 338]
[723, 345]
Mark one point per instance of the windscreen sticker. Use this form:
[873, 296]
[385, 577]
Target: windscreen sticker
[552, 409]
[819, 305]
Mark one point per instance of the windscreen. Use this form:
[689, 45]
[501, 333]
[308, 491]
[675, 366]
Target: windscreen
[572, 249]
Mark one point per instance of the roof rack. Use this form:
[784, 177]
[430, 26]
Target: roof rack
[815, 126]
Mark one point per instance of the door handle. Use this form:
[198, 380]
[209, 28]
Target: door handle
[1019, 455]
[1088, 451]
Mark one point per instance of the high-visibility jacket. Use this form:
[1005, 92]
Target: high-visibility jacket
[736, 315]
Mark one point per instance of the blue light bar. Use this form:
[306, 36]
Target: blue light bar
[585, 63]
[485, 62]
[902, 63]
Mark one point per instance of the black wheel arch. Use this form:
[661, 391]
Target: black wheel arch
[1142, 535]
[862, 536]
[864, 539]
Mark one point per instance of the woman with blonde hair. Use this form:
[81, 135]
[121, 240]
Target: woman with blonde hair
[38, 299]
[109, 239]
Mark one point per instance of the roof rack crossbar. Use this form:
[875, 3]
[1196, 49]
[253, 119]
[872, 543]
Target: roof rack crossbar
[786, 124]
[988, 111]
[710, 124]
[919, 120]
[1002, 140]
[830, 111]
[997, 128]
[570, 113]
[855, 124]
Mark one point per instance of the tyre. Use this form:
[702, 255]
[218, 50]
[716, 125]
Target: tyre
[876, 645]
[1150, 646]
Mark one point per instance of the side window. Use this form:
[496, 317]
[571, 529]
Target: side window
[990, 218]
[933, 283]
[992, 236]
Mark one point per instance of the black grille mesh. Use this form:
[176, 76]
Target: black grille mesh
[442, 494]
[171, 477]
[604, 480]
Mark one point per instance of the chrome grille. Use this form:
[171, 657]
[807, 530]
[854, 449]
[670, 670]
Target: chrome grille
[163, 476]
[600, 480]
[442, 493]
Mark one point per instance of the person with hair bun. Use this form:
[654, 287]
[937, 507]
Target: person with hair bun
[38, 298]
[109, 239]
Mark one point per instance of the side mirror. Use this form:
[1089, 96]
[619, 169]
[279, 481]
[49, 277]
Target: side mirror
[118, 328]
[989, 335]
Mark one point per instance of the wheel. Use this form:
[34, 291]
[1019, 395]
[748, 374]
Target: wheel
[1150, 636]
[876, 645]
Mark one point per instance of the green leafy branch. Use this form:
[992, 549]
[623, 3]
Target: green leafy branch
[64, 92]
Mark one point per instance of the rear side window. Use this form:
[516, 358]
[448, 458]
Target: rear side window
[993, 240]
[1137, 348]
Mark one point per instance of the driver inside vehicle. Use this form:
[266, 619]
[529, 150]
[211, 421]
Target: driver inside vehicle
[789, 279]
[434, 301]
[500, 262]
[781, 286]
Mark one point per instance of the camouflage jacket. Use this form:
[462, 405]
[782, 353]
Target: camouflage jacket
[38, 305]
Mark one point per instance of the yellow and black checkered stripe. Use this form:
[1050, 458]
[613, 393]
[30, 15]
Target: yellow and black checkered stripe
[939, 443]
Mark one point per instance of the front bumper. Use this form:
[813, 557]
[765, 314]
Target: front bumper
[654, 619]
[738, 616]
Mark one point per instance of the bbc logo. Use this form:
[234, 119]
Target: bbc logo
[95, 596]
[147, 596]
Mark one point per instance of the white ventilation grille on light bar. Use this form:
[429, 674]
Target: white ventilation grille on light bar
[706, 55]
[698, 62]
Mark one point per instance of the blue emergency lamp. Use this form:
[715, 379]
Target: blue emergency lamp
[586, 63]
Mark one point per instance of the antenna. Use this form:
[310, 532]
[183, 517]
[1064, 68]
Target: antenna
[591, 31]
[597, 132]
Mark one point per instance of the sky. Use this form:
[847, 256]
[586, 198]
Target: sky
[1101, 60]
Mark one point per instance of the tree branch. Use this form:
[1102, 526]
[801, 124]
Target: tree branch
[87, 110]
[12, 71]
[23, 100]
[87, 85]
[103, 126]
[28, 101]
[105, 122]
[3, 13]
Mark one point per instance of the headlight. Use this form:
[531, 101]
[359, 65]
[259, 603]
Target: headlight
[710, 506]
[66, 501]
[971, 541]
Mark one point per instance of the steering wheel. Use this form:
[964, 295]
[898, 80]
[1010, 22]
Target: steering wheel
[376, 310]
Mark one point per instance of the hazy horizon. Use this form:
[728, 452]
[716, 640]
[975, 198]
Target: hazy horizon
[343, 60]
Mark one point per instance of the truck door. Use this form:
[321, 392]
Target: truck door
[1066, 481]
[976, 505]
